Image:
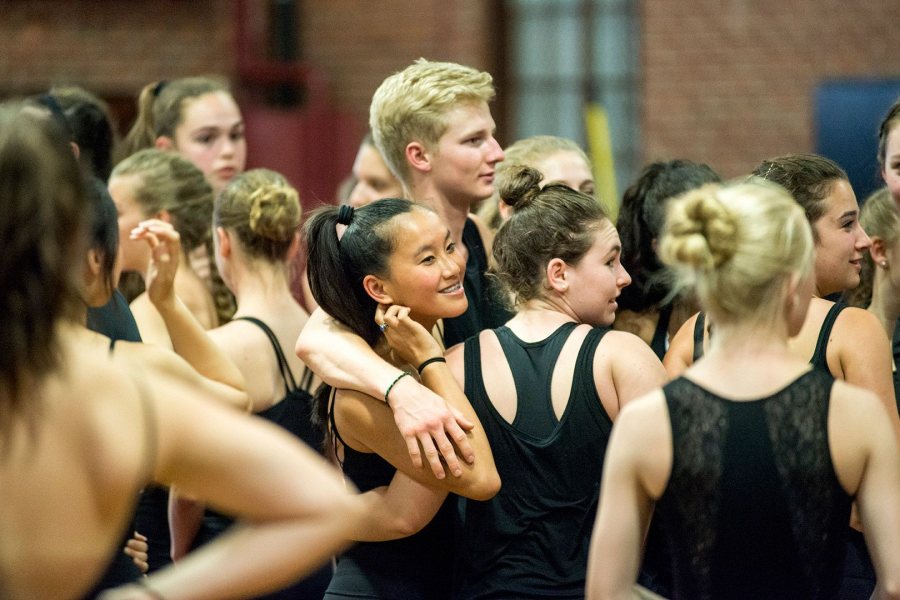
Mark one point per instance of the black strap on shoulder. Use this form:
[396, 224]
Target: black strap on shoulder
[335, 434]
[819, 357]
[699, 334]
[287, 376]
[658, 343]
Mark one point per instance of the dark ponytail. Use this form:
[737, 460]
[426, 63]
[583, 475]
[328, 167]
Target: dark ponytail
[337, 268]
[43, 226]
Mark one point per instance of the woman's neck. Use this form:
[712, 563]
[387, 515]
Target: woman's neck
[536, 319]
[260, 287]
[733, 342]
[885, 304]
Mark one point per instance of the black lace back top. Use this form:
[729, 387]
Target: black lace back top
[753, 506]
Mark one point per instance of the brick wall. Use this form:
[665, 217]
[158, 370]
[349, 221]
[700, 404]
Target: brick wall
[723, 81]
[358, 42]
[112, 47]
[730, 82]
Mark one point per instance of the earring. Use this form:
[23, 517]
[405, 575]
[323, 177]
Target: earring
[884, 264]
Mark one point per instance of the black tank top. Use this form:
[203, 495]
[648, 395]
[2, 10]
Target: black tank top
[417, 567]
[485, 311]
[659, 343]
[753, 506]
[293, 413]
[531, 540]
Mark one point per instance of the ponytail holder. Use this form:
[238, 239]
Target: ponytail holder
[345, 214]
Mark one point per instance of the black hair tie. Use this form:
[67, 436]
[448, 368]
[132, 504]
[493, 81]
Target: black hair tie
[345, 214]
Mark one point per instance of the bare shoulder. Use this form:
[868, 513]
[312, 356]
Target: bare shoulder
[617, 341]
[356, 414]
[856, 322]
[621, 351]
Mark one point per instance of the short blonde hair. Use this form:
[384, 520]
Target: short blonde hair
[411, 105]
[525, 152]
[737, 244]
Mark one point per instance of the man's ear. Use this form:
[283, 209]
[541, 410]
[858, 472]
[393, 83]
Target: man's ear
[223, 242]
[418, 157]
[377, 290]
[164, 142]
[557, 274]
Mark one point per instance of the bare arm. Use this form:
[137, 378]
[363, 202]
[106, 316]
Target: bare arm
[634, 472]
[398, 510]
[343, 360]
[867, 462]
[864, 355]
[680, 354]
[625, 368]
[248, 468]
[189, 339]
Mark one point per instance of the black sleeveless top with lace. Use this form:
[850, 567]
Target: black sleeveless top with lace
[413, 568]
[531, 540]
[294, 412]
[753, 506]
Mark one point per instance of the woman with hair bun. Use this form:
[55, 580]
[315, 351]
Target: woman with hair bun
[547, 387]
[751, 458]
[257, 234]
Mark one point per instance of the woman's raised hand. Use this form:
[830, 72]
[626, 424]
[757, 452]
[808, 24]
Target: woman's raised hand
[409, 339]
[165, 248]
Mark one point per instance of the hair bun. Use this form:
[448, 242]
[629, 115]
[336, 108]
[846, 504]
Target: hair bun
[274, 212]
[519, 185]
[702, 232]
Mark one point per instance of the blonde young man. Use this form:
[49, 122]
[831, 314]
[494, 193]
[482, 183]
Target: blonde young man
[432, 124]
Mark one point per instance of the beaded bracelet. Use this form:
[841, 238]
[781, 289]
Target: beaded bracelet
[429, 361]
[393, 383]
